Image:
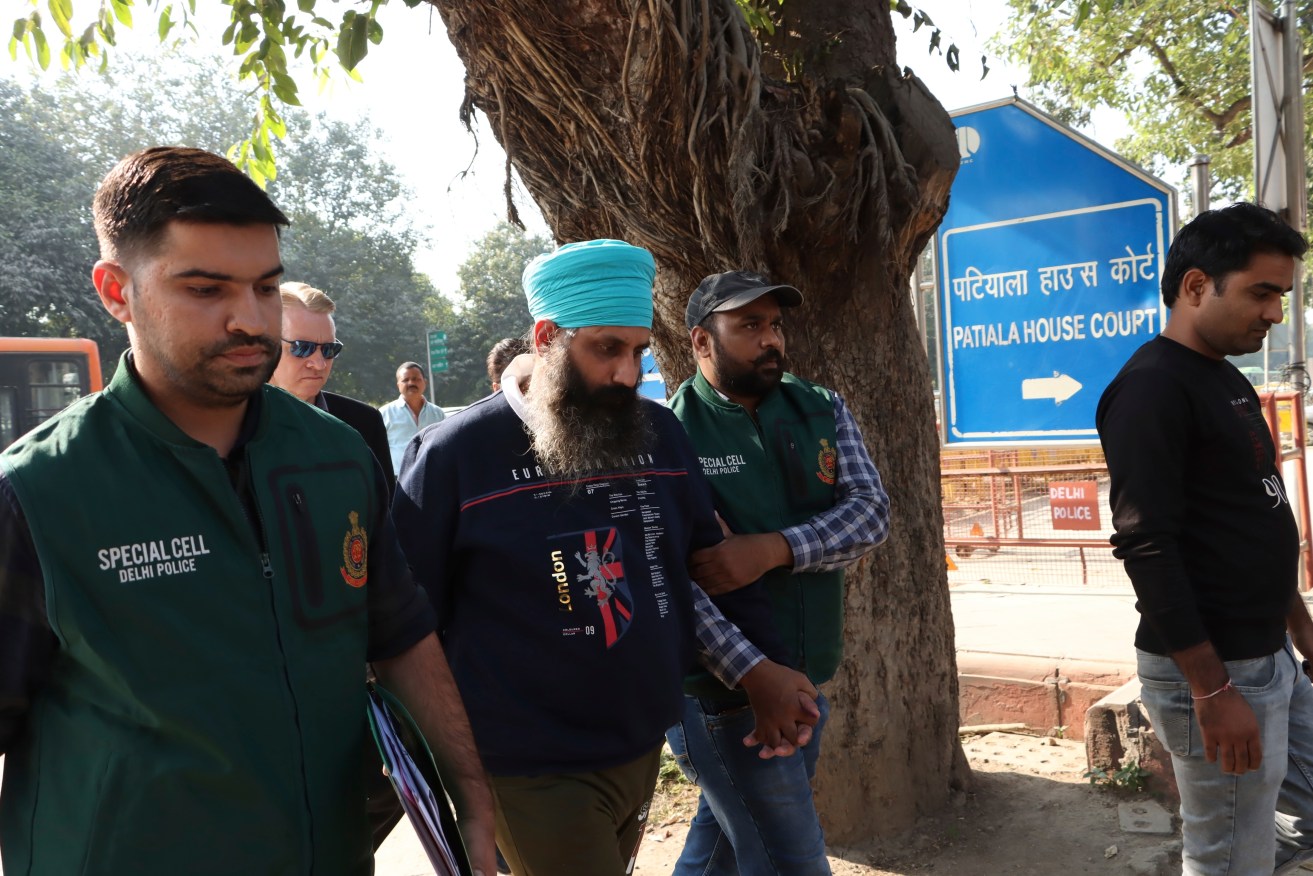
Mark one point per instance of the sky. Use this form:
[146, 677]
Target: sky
[414, 83]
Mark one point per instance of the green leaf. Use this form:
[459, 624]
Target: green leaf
[375, 31]
[61, 11]
[1082, 13]
[305, 5]
[20, 29]
[166, 23]
[953, 58]
[272, 120]
[246, 37]
[42, 48]
[352, 40]
[13, 49]
[285, 89]
[275, 57]
[105, 27]
[122, 11]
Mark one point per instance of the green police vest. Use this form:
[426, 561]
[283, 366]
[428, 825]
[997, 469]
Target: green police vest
[769, 474]
[205, 708]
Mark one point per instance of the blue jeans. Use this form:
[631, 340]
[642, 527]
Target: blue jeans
[1227, 821]
[755, 817]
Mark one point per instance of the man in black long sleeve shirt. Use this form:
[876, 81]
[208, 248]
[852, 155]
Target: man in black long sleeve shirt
[1206, 532]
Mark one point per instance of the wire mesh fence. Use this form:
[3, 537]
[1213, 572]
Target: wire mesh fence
[1040, 515]
[1028, 516]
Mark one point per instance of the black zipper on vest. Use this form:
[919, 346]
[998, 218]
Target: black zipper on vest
[267, 569]
[307, 545]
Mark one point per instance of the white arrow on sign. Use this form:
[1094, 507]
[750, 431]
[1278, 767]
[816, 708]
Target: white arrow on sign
[1059, 387]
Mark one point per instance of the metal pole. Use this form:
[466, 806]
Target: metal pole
[428, 354]
[1202, 183]
[1296, 177]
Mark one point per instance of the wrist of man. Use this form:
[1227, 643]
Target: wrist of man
[780, 552]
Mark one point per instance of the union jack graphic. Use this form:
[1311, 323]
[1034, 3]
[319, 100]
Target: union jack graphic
[604, 579]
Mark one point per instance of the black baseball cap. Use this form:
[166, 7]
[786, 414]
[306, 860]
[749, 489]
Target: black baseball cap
[734, 289]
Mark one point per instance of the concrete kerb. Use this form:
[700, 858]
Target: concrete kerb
[1048, 695]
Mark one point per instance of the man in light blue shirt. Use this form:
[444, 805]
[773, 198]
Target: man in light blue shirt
[409, 413]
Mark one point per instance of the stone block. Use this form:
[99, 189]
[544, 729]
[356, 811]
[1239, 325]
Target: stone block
[1145, 816]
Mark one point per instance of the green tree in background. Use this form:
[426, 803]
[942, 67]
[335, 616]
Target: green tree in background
[351, 234]
[1177, 69]
[492, 307]
[46, 239]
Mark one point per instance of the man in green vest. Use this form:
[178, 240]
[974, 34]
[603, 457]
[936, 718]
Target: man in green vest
[799, 499]
[194, 569]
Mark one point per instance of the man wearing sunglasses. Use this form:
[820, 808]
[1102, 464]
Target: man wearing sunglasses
[310, 346]
[409, 413]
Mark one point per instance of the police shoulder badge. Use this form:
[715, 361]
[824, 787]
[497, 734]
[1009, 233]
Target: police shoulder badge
[355, 553]
[828, 460]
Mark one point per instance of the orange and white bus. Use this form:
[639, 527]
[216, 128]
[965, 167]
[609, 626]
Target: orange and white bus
[39, 377]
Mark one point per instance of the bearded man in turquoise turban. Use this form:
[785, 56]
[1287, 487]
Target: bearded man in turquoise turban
[591, 304]
[552, 524]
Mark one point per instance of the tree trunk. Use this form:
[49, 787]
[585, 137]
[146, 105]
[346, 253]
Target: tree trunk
[651, 121]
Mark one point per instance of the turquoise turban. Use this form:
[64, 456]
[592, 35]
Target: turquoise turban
[597, 282]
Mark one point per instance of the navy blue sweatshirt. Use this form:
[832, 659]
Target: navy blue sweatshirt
[1202, 518]
[565, 608]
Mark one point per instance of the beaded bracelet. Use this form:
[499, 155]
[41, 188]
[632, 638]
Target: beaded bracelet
[1225, 687]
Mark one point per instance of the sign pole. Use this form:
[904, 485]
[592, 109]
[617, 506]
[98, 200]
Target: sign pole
[1202, 182]
[433, 390]
[1296, 176]
[436, 344]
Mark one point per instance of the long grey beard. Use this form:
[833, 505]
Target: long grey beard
[575, 432]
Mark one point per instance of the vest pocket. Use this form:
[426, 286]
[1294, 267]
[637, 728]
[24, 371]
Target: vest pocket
[321, 554]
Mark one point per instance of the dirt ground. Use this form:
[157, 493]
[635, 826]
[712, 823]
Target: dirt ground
[1030, 814]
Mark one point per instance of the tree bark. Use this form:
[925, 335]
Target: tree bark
[651, 121]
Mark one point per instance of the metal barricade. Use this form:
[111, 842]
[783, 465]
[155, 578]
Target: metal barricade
[1040, 515]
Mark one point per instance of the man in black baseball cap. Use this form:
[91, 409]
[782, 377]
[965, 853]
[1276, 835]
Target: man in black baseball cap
[731, 290]
[796, 488]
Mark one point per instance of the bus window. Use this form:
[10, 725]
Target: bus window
[8, 420]
[54, 385]
[39, 377]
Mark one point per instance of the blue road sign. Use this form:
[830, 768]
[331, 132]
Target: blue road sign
[1049, 261]
[652, 384]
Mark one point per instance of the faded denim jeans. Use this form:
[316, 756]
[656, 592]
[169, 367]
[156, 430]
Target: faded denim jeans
[1227, 821]
[755, 817]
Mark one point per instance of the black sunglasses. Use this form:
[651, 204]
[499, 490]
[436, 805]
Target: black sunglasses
[306, 349]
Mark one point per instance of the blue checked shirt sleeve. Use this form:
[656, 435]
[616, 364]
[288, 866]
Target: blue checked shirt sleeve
[859, 519]
[722, 647]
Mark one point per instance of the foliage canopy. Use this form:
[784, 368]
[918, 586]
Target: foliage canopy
[1179, 70]
[350, 232]
[265, 34]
